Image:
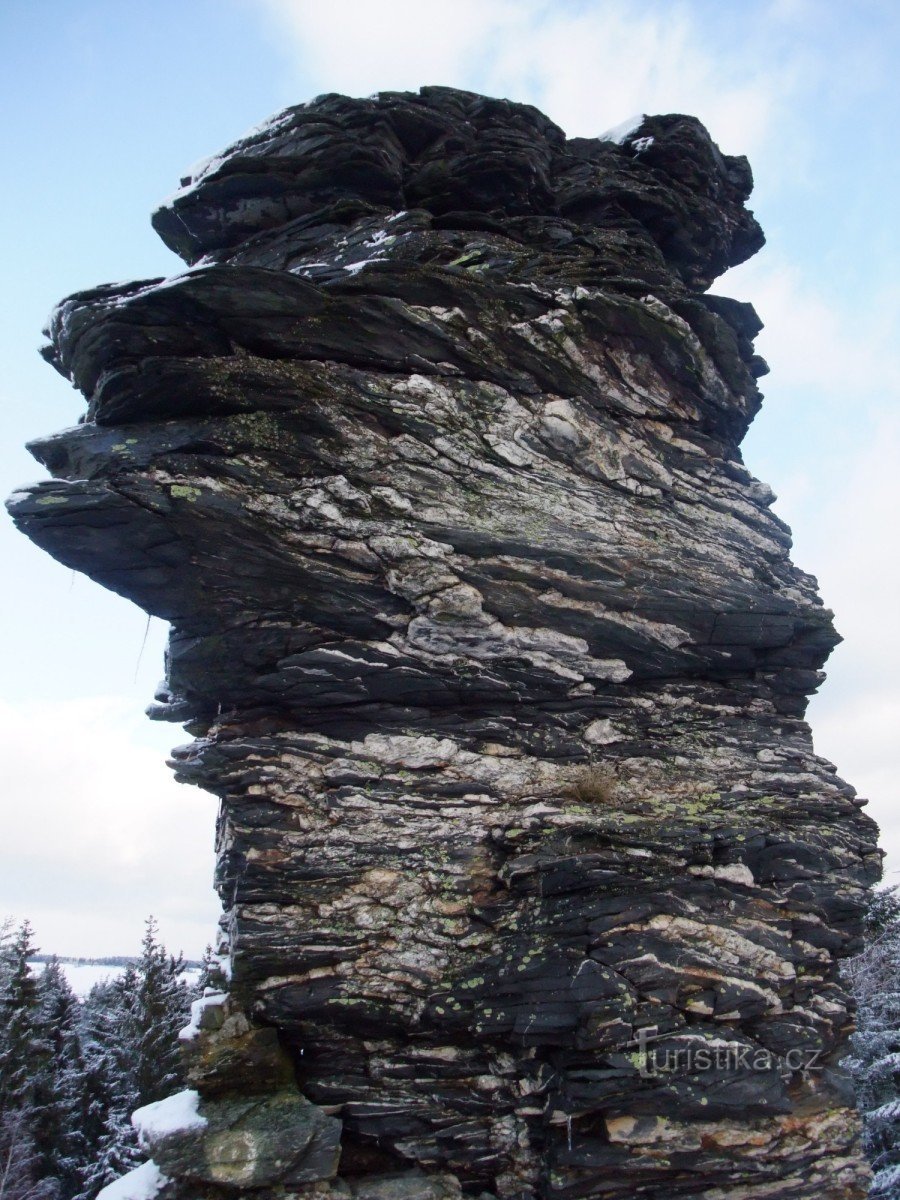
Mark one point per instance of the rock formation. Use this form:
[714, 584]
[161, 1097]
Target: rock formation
[492, 649]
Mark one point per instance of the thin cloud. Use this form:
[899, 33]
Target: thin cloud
[828, 438]
[811, 339]
[94, 823]
[587, 66]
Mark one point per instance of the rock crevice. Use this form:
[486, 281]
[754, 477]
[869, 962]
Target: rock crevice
[493, 650]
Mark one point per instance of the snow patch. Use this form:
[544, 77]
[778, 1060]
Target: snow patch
[209, 1000]
[274, 123]
[620, 133]
[25, 492]
[175, 1114]
[204, 166]
[82, 976]
[142, 1183]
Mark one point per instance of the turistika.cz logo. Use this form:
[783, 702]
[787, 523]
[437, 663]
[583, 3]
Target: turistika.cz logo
[702, 1054]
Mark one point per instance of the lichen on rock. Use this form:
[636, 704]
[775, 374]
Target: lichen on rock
[493, 650]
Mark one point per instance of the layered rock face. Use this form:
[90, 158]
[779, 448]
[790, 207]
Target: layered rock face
[494, 652]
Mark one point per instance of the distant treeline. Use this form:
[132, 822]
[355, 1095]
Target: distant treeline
[114, 960]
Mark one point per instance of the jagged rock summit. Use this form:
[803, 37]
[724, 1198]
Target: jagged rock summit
[492, 648]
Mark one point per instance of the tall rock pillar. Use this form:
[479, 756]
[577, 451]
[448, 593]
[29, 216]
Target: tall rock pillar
[493, 650]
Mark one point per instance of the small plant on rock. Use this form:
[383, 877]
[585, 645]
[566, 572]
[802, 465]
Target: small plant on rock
[593, 784]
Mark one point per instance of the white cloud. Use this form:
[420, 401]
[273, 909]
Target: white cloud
[360, 47]
[812, 339]
[587, 66]
[849, 534]
[830, 431]
[596, 65]
[860, 733]
[94, 823]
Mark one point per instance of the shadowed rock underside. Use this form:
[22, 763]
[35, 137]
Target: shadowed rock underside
[492, 649]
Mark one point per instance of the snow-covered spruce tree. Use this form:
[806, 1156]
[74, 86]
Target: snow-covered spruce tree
[101, 1093]
[211, 973]
[130, 1039]
[109, 1045]
[56, 1087]
[19, 1164]
[40, 1078]
[71, 1074]
[18, 1012]
[19, 1178]
[163, 1007]
[874, 977]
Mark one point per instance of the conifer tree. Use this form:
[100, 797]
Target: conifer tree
[211, 974]
[162, 1009]
[19, 1166]
[106, 1059]
[109, 1042]
[131, 1051]
[72, 1073]
[18, 1012]
[57, 1082]
[42, 1148]
[874, 978]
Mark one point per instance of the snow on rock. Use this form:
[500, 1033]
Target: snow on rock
[207, 1001]
[143, 1183]
[621, 132]
[175, 1114]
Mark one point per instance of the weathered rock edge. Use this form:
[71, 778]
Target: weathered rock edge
[494, 652]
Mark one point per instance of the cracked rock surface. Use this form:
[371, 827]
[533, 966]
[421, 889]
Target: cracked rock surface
[493, 650]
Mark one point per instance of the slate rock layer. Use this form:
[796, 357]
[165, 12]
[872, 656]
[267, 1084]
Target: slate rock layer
[493, 650]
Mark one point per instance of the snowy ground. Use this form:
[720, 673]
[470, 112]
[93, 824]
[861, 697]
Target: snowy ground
[83, 976]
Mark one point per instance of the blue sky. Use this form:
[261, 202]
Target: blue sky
[107, 103]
